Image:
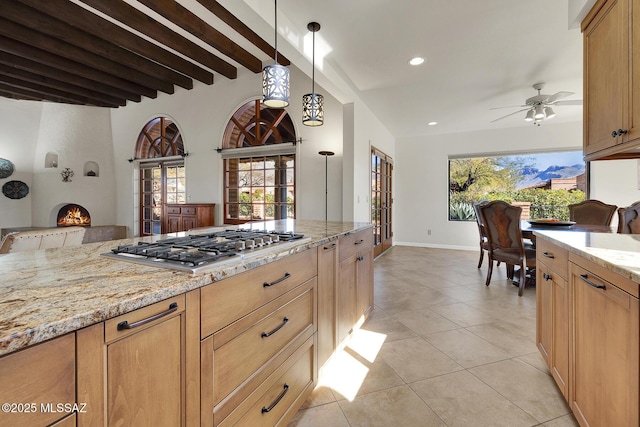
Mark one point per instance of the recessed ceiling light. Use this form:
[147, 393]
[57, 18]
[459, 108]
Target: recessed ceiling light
[416, 61]
[432, 123]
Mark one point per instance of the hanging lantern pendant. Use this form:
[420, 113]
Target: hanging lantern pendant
[313, 103]
[275, 78]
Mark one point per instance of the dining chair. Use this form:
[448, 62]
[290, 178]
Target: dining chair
[629, 219]
[504, 235]
[484, 244]
[592, 212]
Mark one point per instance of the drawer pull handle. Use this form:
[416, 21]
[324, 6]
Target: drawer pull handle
[331, 246]
[546, 276]
[585, 277]
[282, 279]
[278, 399]
[548, 255]
[124, 325]
[268, 334]
[360, 242]
[360, 258]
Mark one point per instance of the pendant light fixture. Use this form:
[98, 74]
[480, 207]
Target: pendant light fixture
[275, 78]
[313, 103]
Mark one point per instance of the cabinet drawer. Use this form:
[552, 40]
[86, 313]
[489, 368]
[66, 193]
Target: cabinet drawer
[147, 316]
[41, 374]
[173, 209]
[281, 394]
[354, 242]
[188, 210]
[553, 256]
[237, 359]
[226, 301]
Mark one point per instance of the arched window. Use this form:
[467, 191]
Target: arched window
[160, 151]
[259, 164]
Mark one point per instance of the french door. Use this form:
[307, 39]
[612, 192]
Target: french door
[159, 184]
[381, 200]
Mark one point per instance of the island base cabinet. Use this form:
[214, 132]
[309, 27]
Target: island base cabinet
[604, 357]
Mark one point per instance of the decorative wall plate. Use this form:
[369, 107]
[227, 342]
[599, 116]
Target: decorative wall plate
[15, 189]
[6, 168]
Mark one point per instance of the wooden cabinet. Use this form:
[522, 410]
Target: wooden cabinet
[35, 380]
[552, 305]
[355, 281]
[184, 217]
[327, 280]
[137, 376]
[604, 357]
[611, 35]
[258, 343]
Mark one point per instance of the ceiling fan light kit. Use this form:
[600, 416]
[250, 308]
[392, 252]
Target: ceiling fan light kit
[538, 108]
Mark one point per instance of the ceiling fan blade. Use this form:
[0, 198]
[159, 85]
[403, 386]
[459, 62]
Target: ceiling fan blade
[511, 114]
[557, 96]
[574, 102]
[508, 106]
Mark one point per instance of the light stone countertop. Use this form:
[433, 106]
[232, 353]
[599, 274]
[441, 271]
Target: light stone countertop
[619, 253]
[50, 292]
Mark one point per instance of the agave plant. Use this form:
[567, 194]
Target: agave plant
[461, 211]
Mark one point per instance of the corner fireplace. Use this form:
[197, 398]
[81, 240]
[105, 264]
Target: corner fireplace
[72, 215]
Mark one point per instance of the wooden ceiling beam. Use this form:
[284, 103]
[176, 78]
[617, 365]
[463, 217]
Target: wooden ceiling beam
[30, 94]
[56, 74]
[43, 23]
[26, 51]
[17, 73]
[41, 41]
[132, 17]
[89, 22]
[190, 22]
[242, 29]
[10, 95]
[24, 84]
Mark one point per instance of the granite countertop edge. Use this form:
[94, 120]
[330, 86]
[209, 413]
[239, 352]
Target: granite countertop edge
[44, 303]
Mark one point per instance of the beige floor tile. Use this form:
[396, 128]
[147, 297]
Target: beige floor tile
[464, 315]
[415, 359]
[460, 399]
[320, 416]
[512, 340]
[321, 395]
[398, 406]
[391, 327]
[535, 359]
[425, 321]
[533, 391]
[465, 348]
[564, 421]
[380, 376]
[418, 298]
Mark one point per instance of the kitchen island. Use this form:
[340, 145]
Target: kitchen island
[83, 308]
[588, 323]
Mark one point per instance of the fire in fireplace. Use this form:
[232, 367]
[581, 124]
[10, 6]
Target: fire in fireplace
[73, 215]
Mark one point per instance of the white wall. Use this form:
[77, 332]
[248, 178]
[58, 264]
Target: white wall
[421, 177]
[202, 114]
[19, 121]
[616, 182]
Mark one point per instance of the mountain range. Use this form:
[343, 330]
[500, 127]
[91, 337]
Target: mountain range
[534, 176]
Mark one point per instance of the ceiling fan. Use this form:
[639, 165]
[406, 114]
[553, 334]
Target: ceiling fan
[539, 107]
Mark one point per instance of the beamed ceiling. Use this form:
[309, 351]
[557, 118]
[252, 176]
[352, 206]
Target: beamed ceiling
[89, 52]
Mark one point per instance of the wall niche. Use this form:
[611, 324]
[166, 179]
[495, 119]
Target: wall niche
[91, 169]
[51, 160]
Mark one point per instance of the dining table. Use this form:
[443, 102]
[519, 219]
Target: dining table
[528, 227]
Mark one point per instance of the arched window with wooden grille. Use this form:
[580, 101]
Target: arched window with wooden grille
[259, 155]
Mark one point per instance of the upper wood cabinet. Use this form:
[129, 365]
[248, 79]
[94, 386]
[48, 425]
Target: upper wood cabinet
[612, 80]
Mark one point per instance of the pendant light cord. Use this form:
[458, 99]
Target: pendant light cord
[313, 65]
[276, 29]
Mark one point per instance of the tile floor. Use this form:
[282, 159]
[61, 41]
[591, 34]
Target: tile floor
[439, 349]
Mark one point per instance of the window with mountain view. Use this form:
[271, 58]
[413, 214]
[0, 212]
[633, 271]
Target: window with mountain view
[543, 184]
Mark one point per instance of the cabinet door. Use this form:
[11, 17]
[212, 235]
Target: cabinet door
[606, 68]
[144, 376]
[327, 277]
[364, 278]
[544, 311]
[189, 222]
[604, 357]
[560, 333]
[174, 223]
[347, 297]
